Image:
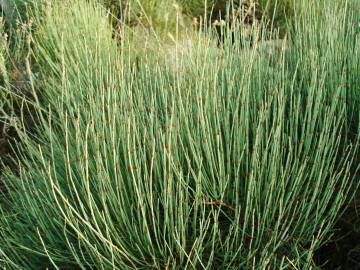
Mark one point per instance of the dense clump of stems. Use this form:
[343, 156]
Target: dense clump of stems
[231, 158]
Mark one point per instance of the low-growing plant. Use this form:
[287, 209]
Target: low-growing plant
[220, 159]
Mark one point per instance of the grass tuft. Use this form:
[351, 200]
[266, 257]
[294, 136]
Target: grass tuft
[236, 157]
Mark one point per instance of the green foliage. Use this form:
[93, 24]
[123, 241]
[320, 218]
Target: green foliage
[164, 15]
[3, 46]
[279, 13]
[236, 158]
[161, 16]
[15, 10]
[275, 12]
[4, 83]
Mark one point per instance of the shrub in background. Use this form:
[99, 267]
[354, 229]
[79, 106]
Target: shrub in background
[161, 16]
[14, 10]
[276, 13]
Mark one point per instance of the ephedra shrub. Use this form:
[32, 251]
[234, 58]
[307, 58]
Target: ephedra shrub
[241, 162]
